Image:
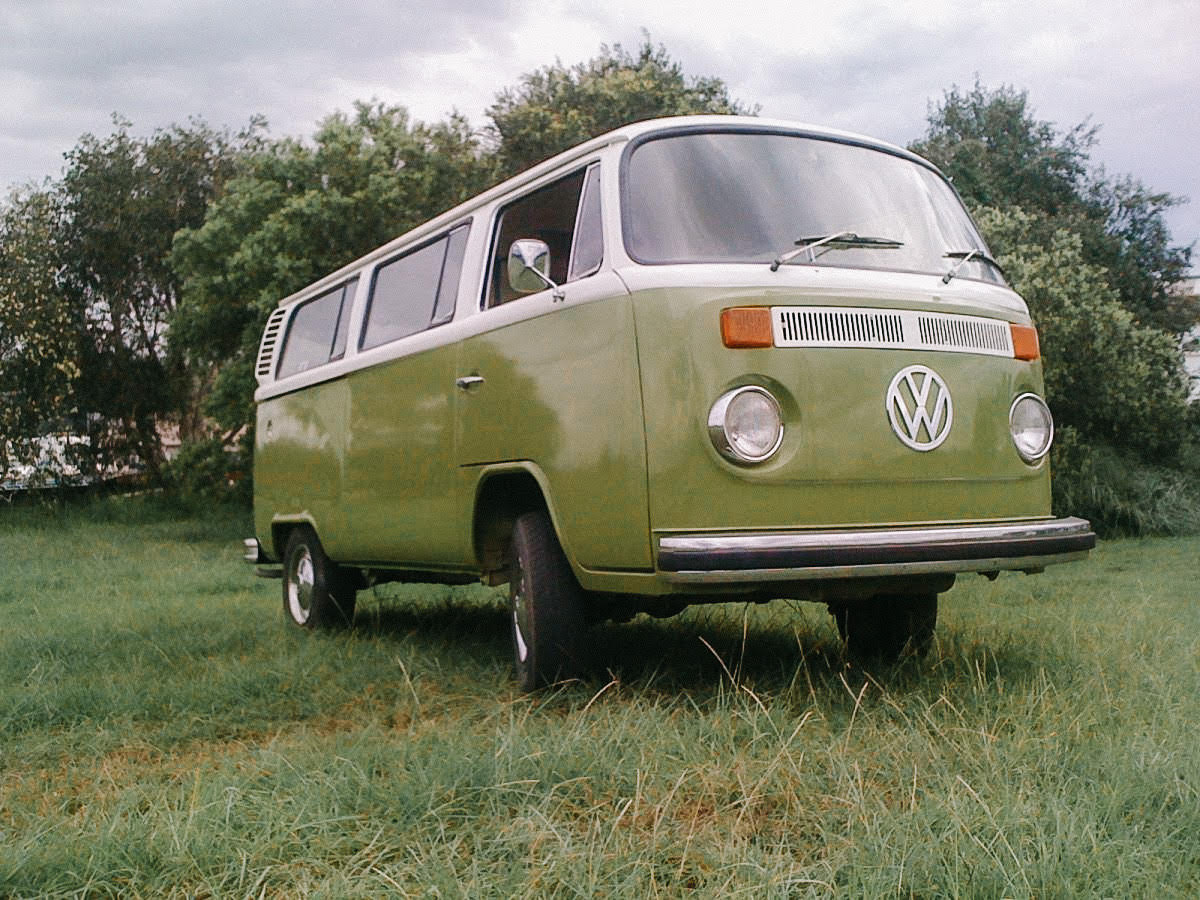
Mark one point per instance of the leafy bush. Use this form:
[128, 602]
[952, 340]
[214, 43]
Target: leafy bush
[207, 470]
[1125, 432]
[1110, 378]
[1119, 493]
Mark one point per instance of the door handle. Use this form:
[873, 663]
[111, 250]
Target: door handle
[466, 382]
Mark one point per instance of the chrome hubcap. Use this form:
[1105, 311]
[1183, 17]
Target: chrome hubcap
[300, 586]
[520, 615]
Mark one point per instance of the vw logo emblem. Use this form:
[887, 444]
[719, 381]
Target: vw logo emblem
[919, 407]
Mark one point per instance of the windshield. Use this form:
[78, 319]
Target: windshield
[730, 196]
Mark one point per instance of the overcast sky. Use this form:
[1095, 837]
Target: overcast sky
[1133, 66]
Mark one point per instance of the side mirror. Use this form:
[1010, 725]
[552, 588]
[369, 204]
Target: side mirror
[528, 265]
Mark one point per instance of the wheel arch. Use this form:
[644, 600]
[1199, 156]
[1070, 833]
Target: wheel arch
[501, 495]
[283, 526]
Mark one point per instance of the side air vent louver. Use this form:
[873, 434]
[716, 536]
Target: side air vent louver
[846, 326]
[269, 347]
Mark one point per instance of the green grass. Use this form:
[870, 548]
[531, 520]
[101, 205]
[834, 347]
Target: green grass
[162, 733]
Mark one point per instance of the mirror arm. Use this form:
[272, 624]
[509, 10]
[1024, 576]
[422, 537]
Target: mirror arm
[557, 294]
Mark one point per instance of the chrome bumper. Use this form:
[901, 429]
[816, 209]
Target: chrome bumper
[265, 567]
[874, 552]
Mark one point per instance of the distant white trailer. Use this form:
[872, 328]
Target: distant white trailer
[53, 463]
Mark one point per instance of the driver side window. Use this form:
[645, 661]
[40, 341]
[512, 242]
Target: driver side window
[566, 216]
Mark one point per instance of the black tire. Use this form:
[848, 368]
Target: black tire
[316, 593]
[888, 626]
[546, 604]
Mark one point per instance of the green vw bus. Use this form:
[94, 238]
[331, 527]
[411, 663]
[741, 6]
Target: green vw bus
[692, 360]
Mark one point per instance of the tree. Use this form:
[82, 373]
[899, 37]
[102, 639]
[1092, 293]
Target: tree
[557, 107]
[1092, 256]
[121, 200]
[86, 290]
[297, 211]
[998, 155]
[39, 330]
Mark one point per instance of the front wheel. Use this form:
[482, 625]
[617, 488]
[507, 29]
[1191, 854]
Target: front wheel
[316, 592]
[546, 605]
[887, 626]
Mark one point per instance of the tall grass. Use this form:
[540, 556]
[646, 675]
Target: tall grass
[163, 734]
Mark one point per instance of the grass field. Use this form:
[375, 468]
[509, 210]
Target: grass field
[162, 733]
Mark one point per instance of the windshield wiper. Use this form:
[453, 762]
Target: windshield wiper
[964, 257]
[837, 240]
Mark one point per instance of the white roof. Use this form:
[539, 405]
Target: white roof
[637, 129]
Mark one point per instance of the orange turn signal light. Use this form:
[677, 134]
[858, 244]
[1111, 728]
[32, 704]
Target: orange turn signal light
[1025, 341]
[747, 326]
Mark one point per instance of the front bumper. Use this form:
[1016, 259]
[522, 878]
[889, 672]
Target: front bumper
[799, 556]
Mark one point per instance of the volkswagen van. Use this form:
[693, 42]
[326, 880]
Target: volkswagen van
[692, 360]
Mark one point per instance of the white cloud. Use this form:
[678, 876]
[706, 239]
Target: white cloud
[66, 65]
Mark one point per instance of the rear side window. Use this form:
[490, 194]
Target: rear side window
[553, 214]
[317, 333]
[415, 291]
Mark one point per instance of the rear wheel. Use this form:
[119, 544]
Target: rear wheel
[546, 604]
[887, 626]
[316, 592]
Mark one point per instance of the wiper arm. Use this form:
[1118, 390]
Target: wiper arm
[964, 257]
[831, 241]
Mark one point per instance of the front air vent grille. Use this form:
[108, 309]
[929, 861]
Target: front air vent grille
[818, 327]
[967, 333]
[847, 326]
[270, 345]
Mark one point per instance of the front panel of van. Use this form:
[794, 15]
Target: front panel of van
[784, 223]
[841, 463]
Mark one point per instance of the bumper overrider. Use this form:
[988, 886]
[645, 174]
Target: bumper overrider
[872, 552]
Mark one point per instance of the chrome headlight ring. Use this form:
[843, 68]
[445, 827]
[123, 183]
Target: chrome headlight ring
[1031, 427]
[746, 425]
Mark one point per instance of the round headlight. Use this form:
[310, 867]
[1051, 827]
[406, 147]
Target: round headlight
[1032, 427]
[746, 425]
